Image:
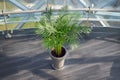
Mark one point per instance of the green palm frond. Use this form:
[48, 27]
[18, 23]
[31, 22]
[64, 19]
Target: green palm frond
[60, 29]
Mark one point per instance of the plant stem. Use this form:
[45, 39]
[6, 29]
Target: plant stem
[58, 49]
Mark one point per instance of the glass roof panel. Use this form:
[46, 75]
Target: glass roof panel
[7, 6]
[104, 13]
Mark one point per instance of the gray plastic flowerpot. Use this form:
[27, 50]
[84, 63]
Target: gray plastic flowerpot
[58, 62]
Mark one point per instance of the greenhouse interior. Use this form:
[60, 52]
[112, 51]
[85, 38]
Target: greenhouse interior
[59, 39]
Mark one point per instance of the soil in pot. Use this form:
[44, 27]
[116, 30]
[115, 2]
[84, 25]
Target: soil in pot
[53, 52]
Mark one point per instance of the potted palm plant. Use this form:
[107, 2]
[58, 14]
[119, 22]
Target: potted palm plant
[57, 30]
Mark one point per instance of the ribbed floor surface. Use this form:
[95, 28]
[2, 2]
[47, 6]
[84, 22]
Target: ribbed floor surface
[97, 58]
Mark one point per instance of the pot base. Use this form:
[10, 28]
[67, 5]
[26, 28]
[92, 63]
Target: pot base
[57, 68]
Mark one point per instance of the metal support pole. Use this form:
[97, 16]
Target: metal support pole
[88, 17]
[7, 34]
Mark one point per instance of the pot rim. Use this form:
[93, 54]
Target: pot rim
[59, 57]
